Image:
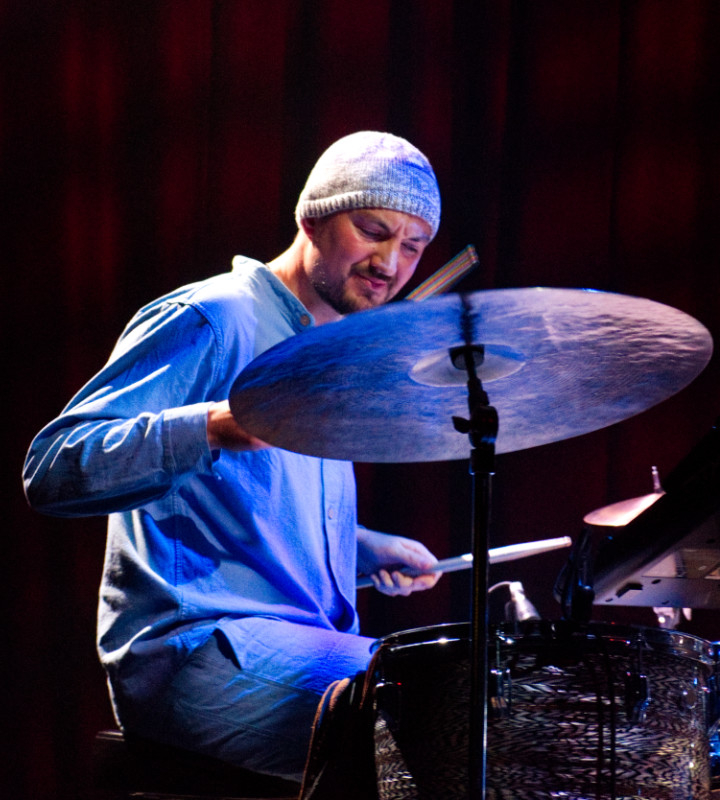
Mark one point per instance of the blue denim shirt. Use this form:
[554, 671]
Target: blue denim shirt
[196, 540]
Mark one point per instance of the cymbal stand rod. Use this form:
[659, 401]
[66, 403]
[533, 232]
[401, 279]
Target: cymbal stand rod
[482, 429]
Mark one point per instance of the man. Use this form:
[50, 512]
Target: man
[227, 603]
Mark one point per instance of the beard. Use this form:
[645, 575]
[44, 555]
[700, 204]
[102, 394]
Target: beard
[338, 298]
[342, 296]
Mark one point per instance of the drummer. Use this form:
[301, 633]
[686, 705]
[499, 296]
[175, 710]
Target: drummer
[227, 602]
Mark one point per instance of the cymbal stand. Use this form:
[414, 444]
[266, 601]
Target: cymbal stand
[481, 427]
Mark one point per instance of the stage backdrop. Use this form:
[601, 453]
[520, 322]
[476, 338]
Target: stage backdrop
[145, 143]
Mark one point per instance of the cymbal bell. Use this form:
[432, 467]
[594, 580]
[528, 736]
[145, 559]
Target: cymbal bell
[380, 386]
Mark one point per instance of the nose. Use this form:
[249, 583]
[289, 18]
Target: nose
[384, 259]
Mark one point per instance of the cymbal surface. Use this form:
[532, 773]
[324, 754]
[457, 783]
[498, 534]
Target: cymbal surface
[379, 385]
[622, 513]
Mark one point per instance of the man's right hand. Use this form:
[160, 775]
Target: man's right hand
[224, 433]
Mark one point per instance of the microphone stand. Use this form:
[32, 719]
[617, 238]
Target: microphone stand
[481, 427]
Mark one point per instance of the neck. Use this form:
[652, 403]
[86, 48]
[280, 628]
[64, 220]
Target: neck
[289, 267]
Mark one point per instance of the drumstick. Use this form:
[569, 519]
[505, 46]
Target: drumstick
[446, 276]
[497, 555]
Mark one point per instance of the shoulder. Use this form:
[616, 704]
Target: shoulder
[248, 289]
[237, 315]
[227, 288]
[222, 299]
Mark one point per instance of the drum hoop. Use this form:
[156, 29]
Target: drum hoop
[445, 632]
[673, 643]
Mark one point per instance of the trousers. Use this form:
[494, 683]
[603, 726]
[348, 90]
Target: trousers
[256, 715]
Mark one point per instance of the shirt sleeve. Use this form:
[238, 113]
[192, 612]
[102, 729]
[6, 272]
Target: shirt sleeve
[138, 427]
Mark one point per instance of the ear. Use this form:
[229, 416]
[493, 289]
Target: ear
[309, 226]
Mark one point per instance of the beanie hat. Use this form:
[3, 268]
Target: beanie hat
[369, 169]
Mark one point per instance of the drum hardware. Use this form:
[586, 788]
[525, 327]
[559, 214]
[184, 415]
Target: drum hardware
[688, 699]
[481, 428]
[499, 693]
[499, 676]
[519, 608]
[637, 697]
[574, 585]
[713, 698]
[715, 761]
[637, 686]
[712, 722]
[335, 391]
[387, 695]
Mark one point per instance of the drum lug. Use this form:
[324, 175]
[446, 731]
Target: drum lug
[499, 693]
[387, 697]
[688, 698]
[712, 708]
[637, 697]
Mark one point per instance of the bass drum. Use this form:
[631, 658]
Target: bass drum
[594, 712]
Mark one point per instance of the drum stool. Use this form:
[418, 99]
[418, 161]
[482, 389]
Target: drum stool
[138, 769]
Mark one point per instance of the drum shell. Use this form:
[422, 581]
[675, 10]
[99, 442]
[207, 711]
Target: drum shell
[565, 716]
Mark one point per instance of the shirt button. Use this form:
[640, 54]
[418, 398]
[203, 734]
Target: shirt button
[304, 320]
[331, 513]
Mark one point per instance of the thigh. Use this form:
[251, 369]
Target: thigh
[302, 656]
[257, 713]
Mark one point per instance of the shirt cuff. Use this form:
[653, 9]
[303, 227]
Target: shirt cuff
[185, 434]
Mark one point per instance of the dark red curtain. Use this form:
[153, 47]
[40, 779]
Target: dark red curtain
[143, 144]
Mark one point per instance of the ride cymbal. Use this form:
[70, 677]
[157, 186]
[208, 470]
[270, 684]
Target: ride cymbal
[380, 386]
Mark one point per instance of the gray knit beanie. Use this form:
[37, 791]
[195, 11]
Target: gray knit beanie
[369, 169]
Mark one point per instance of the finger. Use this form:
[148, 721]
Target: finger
[391, 584]
[427, 581]
[402, 584]
[406, 585]
[383, 581]
[398, 584]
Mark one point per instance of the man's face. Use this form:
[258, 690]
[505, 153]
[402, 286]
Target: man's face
[362, 258]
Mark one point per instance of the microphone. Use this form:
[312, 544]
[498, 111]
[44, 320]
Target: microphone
[519, 608]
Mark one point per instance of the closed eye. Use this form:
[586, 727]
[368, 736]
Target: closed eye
[377, 235]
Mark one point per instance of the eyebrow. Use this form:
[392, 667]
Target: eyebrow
[421, 237]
